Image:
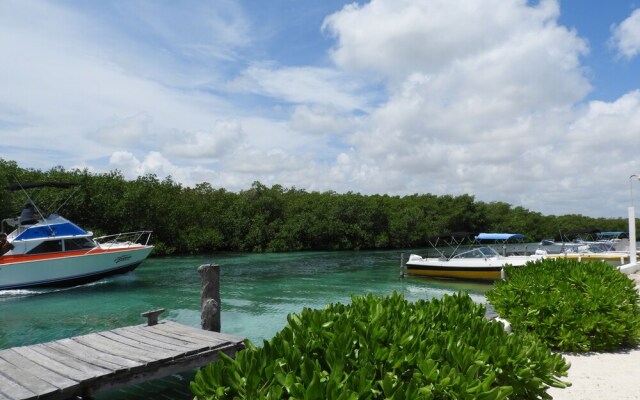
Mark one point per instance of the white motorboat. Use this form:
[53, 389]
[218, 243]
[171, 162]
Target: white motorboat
[49, 250]
[482, 263]
[612, 247]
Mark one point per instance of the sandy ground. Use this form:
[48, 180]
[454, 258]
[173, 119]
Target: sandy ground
[602, 375]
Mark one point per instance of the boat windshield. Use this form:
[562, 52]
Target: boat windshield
[479, 252]
[601, 247]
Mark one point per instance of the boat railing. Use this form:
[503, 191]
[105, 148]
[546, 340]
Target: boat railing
[126, 238]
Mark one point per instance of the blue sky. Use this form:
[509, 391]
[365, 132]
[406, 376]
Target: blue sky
[611, 74]
[533, 103]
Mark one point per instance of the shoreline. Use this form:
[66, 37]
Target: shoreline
[602, 375]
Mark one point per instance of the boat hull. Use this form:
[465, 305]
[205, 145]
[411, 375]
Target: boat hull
[478, 269]
[618, 258]
[68, 268]
[456, 272]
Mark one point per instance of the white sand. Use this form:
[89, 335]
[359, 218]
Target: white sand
[602, 375]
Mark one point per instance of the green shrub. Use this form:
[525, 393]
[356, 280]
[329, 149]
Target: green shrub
[388, 348]
[570, 305]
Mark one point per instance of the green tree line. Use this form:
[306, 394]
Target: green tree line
[204, 219]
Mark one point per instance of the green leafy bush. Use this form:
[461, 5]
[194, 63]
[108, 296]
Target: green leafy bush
[570, 305]
[388, 348]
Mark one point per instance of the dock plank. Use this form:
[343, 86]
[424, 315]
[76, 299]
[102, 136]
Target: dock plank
[12, 390]
[203, 333]
[45, 374]
[193, 341]
[199, 335]
[93, 354]
[109, 346]
[77, 362]
[135, 340]
[88, 364]
[99, 362]
[153, 337]
[52, 364]
[22, 384]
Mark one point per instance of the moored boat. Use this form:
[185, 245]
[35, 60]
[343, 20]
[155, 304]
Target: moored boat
[612, 247]
[46, 249]
[482, 263]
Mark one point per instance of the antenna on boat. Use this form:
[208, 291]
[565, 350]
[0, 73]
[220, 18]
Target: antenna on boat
[68, 198]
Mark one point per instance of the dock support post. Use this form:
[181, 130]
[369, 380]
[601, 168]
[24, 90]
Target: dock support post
[210, 297]
[401, 265]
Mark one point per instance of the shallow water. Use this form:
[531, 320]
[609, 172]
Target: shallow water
[257, 293]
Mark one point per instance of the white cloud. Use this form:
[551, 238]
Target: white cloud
[224, 137]
[401, 37]
[611, 128]
[439, 96]
[129, 130]
[626, 36]
[320, 120]
[131, 167]
[309, 85]
[482, 100]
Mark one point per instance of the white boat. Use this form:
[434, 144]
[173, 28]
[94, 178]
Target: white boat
[49, 250]
[612, 247]
[479, 263]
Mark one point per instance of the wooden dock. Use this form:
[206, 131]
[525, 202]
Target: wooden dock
[83, 365]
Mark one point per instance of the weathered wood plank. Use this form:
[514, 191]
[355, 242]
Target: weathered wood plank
[72, 361]
[142, 342]
[207, 335]
[26, 379]
[169, 368]
[74, 353]
[135, 344]
[107, 360]
[115, 348]
[12, 390]
[192, 340]
[52, 364]
[155, 337]
[94, 354]
[43, 373]
[197, 334]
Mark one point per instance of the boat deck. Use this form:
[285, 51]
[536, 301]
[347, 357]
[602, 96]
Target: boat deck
[83, 365]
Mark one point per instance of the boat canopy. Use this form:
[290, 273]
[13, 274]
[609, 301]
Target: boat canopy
[621, 235]
[53, 227]
[499, 236]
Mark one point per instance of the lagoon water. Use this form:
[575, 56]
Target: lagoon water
[257, 293]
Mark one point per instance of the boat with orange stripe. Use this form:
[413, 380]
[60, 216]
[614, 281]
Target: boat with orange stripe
[46, 249]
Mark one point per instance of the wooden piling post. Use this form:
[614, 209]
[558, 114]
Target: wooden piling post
[401, 265]
[210, 297]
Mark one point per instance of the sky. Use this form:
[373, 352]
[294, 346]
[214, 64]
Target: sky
[531, 103]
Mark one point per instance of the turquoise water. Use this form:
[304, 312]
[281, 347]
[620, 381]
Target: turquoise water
[257, 292]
